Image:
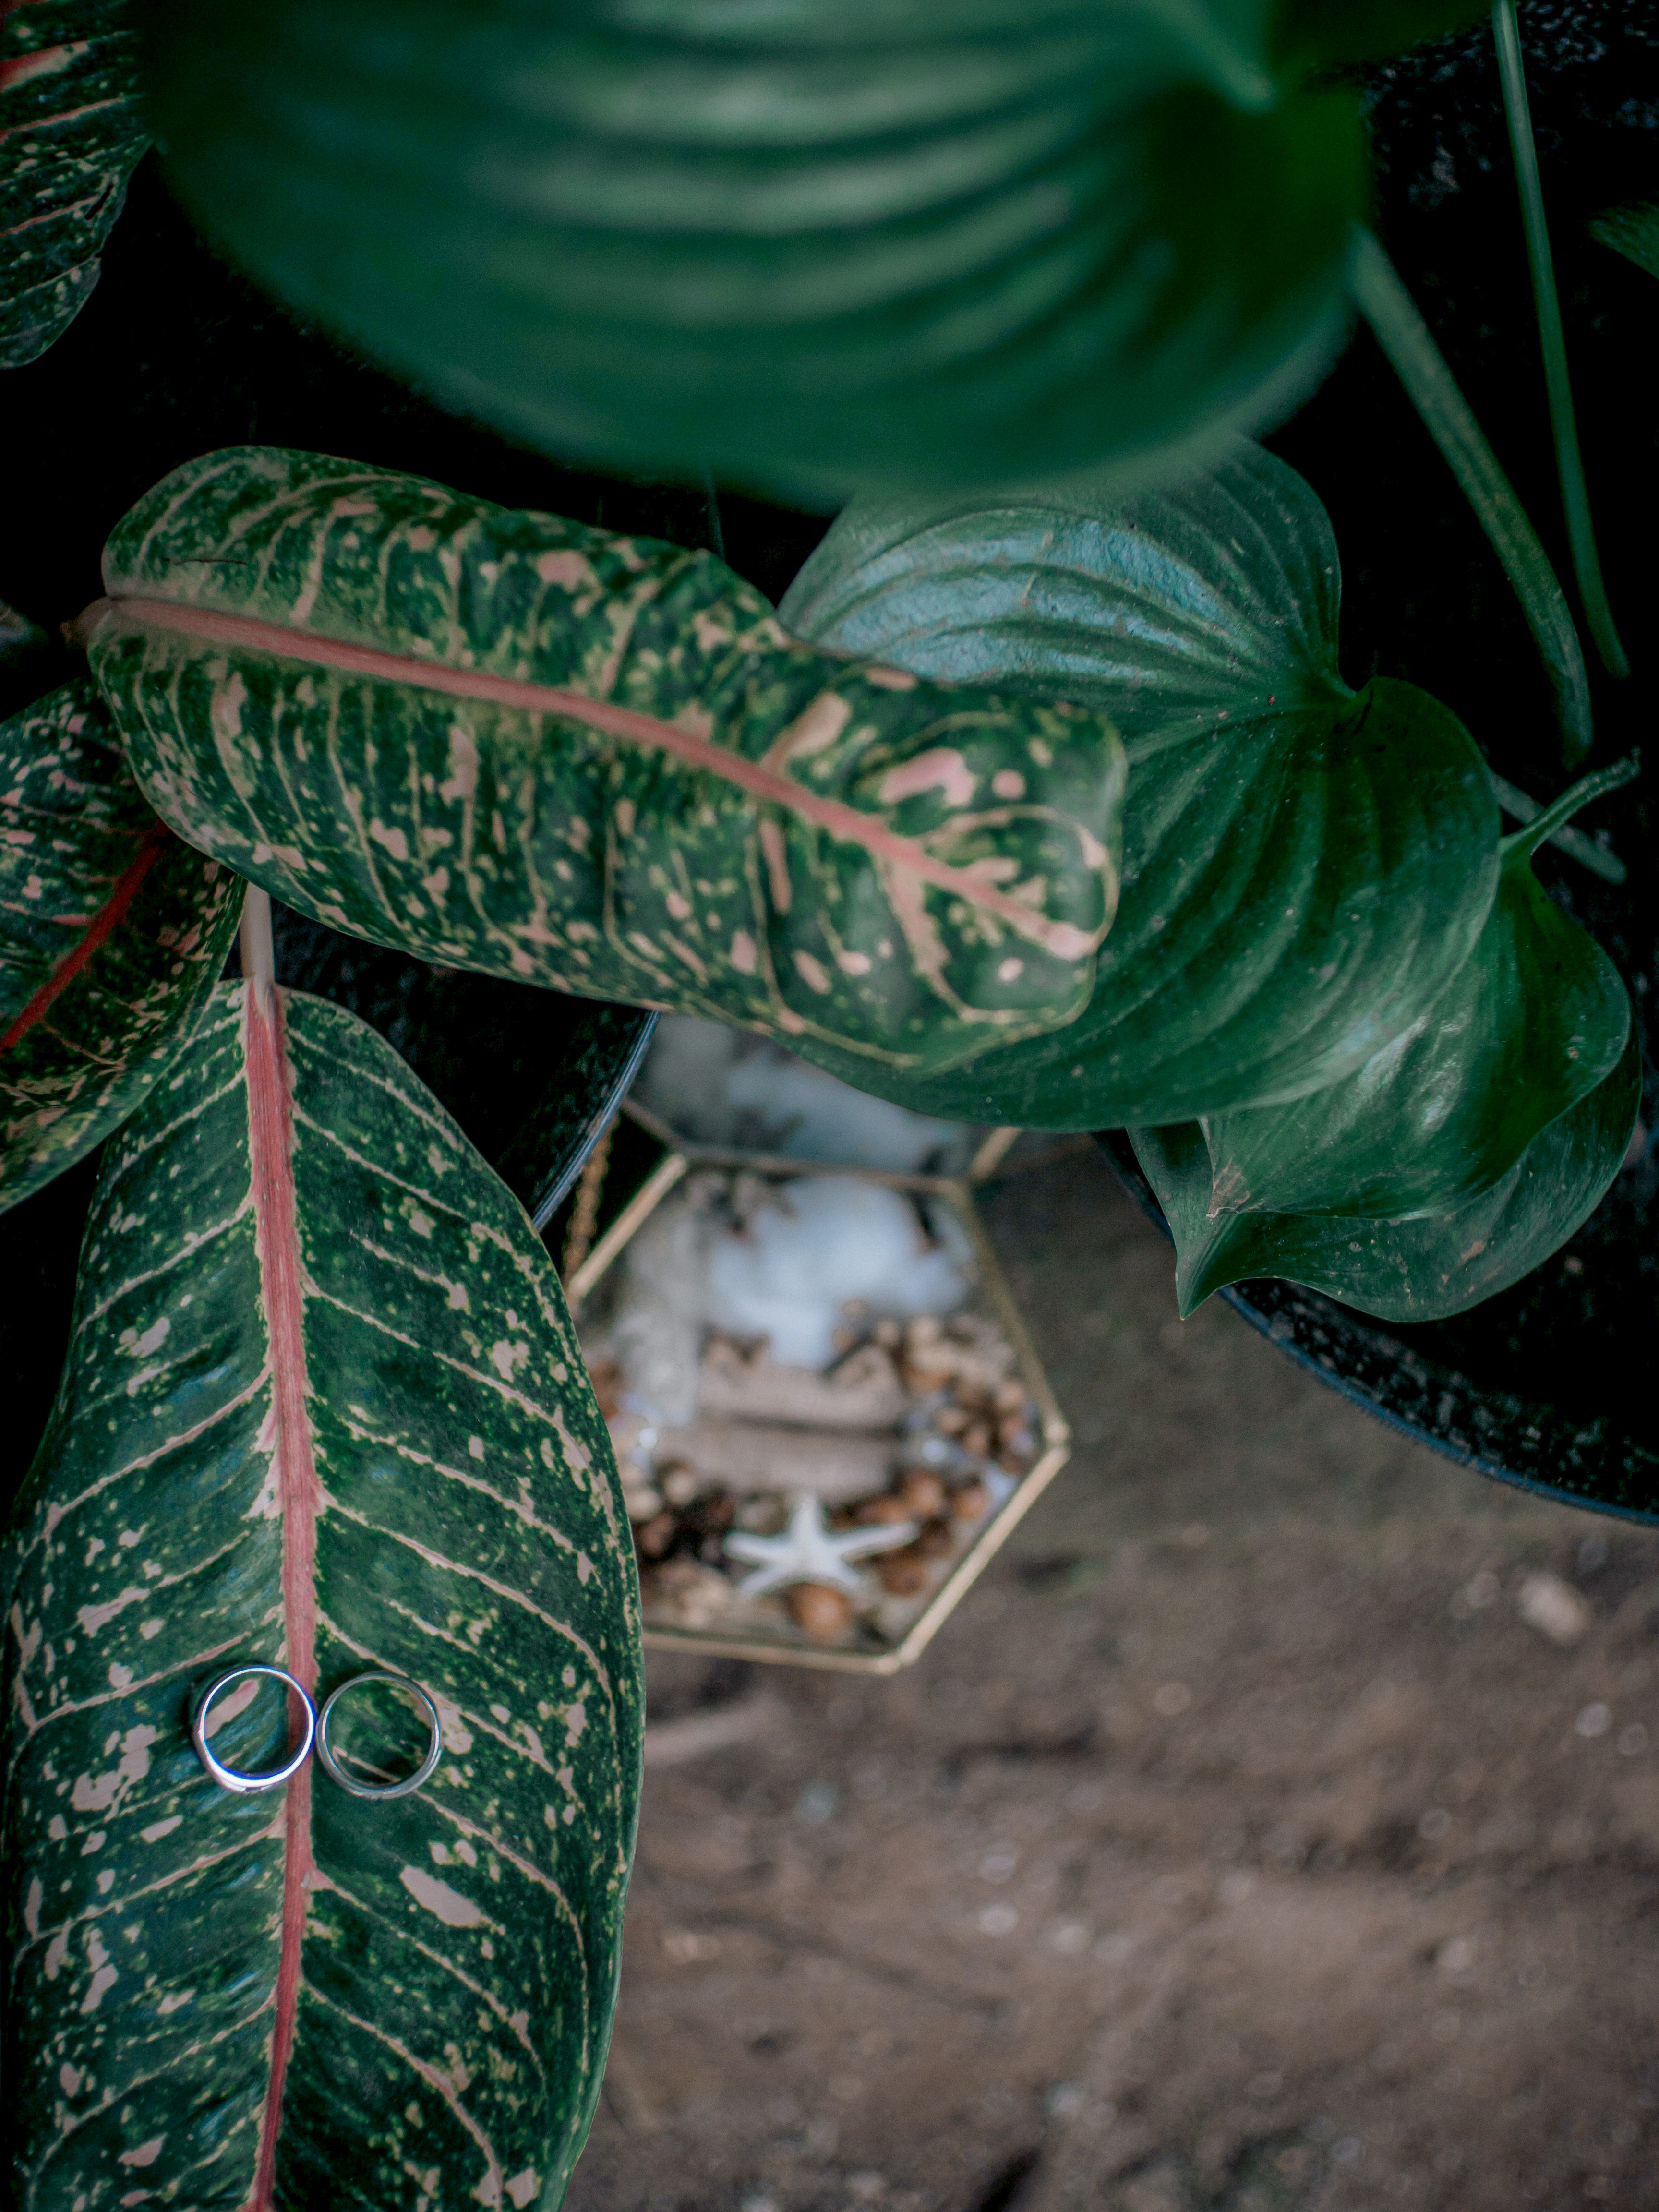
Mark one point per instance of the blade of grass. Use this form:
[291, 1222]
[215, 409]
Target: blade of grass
[1406, 338]
[1575, 492]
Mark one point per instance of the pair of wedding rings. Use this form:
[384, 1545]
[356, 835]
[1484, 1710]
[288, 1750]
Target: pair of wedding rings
[313, 1732]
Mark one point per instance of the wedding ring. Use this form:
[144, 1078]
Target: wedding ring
[379, 1789]
[245, 1785]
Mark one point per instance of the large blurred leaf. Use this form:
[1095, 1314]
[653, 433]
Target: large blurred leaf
[1402, 1271]
[324, 1407]
[803, 246]
[517, 745]
[111, 937]
[1325, 31]
[1305, 868]
[69, 136]
[1535, 1019]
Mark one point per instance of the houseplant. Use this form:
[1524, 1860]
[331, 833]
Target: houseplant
[1220, 357]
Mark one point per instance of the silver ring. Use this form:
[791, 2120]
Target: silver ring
[336, 1773]
[245, 1785]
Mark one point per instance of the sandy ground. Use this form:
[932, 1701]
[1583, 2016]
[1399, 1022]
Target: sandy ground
[1238, 1845]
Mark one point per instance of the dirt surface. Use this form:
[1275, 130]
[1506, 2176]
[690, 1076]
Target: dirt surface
[1238, 1845]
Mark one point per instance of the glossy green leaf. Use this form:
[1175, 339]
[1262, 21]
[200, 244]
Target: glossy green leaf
[1401, 1271]
[70, 135]
[324, 1407]
[112, 935]
[1305, 868]
[803, 247]
[1533, 1021]
[517, 745]
[1633, 232]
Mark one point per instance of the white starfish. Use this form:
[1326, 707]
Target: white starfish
[807, 1552]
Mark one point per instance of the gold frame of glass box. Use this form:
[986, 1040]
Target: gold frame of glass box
[992, 1292]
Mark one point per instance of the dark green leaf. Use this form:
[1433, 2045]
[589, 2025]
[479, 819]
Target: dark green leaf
[1303, 868]
[1632, 231]
[1535, 1018]
[323, 1407]
[1326, 31]
[1401, 1271]
[808, 246]
[70, 137]
[517, 745]
[111, 937]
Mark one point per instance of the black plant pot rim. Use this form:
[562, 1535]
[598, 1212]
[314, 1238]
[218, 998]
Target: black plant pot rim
[1593, 1465]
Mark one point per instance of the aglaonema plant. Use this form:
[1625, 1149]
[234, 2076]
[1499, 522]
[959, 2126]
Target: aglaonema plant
[323, 1405]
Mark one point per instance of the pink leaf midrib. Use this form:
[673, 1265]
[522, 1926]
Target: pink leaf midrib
[102, 925]
[271, 1149]
[1065, 940]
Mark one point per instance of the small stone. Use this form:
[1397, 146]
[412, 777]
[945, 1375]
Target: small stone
[642, 1505]
[1553, 1608]
[712, 1514]
[922, 1493]
[764, 1514]
[679, 1485]
[686, 1592]
[903, 1573]
[819, 1610]
[653, 1537]
[875, 1512]
[970, 1501]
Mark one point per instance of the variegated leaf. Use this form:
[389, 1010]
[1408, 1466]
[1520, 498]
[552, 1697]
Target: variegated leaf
[324, 1407]
[70, 134]
[517, 745]
[111, 937]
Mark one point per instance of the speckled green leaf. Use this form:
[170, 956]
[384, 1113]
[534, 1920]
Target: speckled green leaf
[1401, 1271]
[111, 937]
[517, 745]
[1304, 867]
[810, 245]
[1532, 1022]
[70, 134]
[1633, 232]
[323, 1405]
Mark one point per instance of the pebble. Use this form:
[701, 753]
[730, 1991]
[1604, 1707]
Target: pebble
[819, 1610]
[653, 1537]
[1553, 1608]
[923, 1495]
[903, 1573]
